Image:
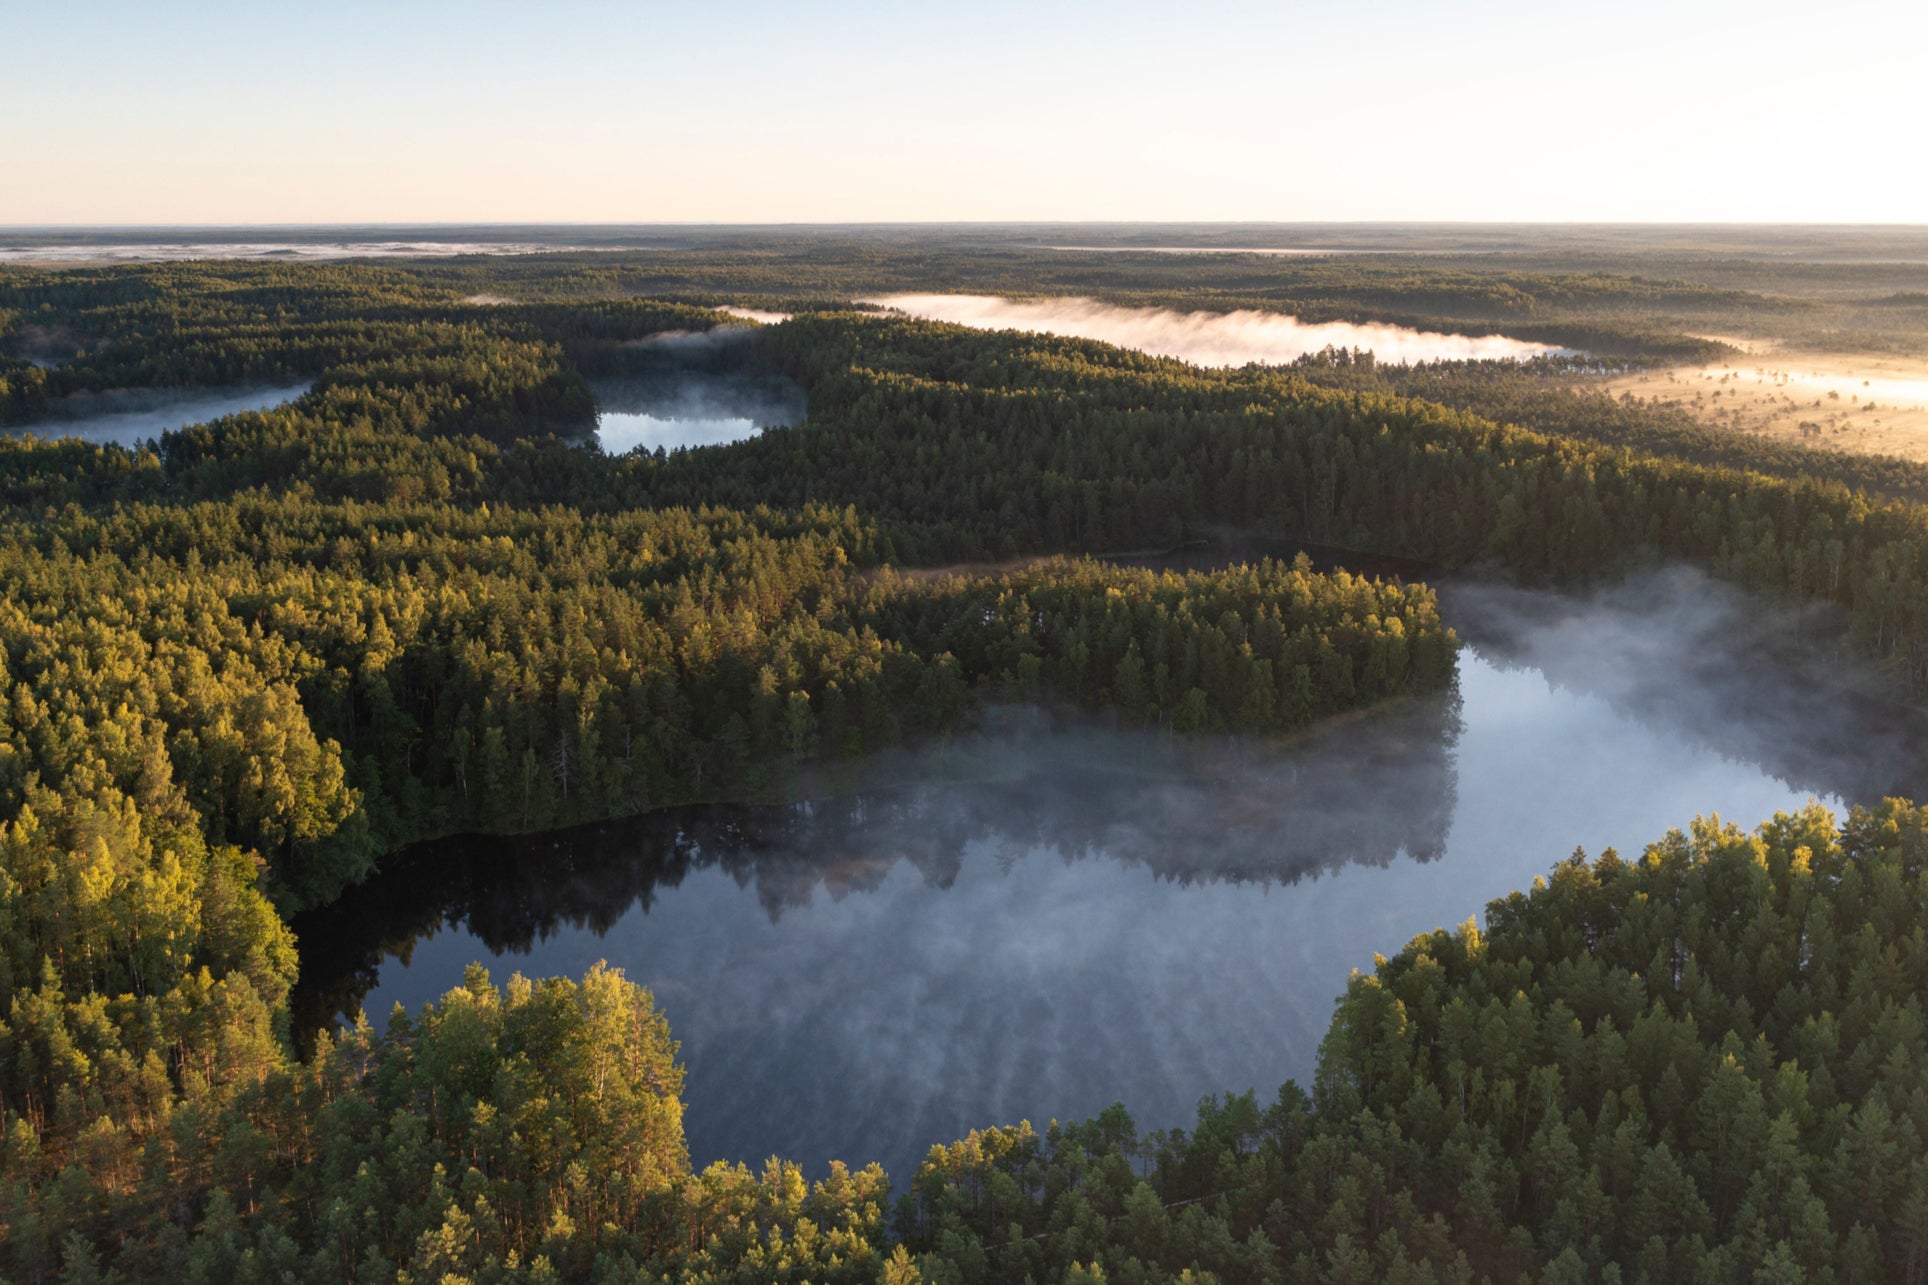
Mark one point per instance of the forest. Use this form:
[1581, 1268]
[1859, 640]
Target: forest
[247, 662]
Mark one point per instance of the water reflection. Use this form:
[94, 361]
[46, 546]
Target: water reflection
[130, 416]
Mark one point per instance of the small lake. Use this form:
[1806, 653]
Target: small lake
[693, 407]
[129, 416]
[692, 388]
[1049, 915]
[1208, 338]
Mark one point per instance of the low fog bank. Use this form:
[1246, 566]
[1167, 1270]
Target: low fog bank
[83, 252]
[1362, 790]
[754, 314]
[129, 416]
[1207, 338]
[726, 348]
[1708, 664]
[725, 344]
[769, 401]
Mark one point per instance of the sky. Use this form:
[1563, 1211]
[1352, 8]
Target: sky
[201, 112]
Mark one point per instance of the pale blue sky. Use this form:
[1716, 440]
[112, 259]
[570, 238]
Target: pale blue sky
[576, 111]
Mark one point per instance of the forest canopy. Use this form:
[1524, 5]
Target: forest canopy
[248, 660]
[1705, 1063]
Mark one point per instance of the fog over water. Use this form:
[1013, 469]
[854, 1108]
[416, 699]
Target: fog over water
[1045, 916]
[690, 408]
[754, 314]
[692, 388]
[694, 408]
[128, 416]
[1754, 682]
[1206, 338]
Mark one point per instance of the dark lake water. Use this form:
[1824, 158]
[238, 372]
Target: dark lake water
[1046, 916]
[129, 416]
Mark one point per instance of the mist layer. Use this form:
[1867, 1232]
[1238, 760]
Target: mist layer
[762, 315]
[92, 252]
[1207, 338]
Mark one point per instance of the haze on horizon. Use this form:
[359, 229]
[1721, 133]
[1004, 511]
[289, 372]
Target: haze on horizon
[596, 112]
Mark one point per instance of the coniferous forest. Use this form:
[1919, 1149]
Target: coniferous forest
[248, 664]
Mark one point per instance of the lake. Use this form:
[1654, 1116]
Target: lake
[695, 388]
[686, 408]
[1048, 914]
[129, 416]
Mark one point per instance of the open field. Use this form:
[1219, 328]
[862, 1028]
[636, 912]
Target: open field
[1874, 403]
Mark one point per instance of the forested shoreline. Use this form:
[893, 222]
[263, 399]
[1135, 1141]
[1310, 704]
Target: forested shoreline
[1703, 1064]
[245, 662]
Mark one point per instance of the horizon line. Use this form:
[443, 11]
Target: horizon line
[961, 223]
